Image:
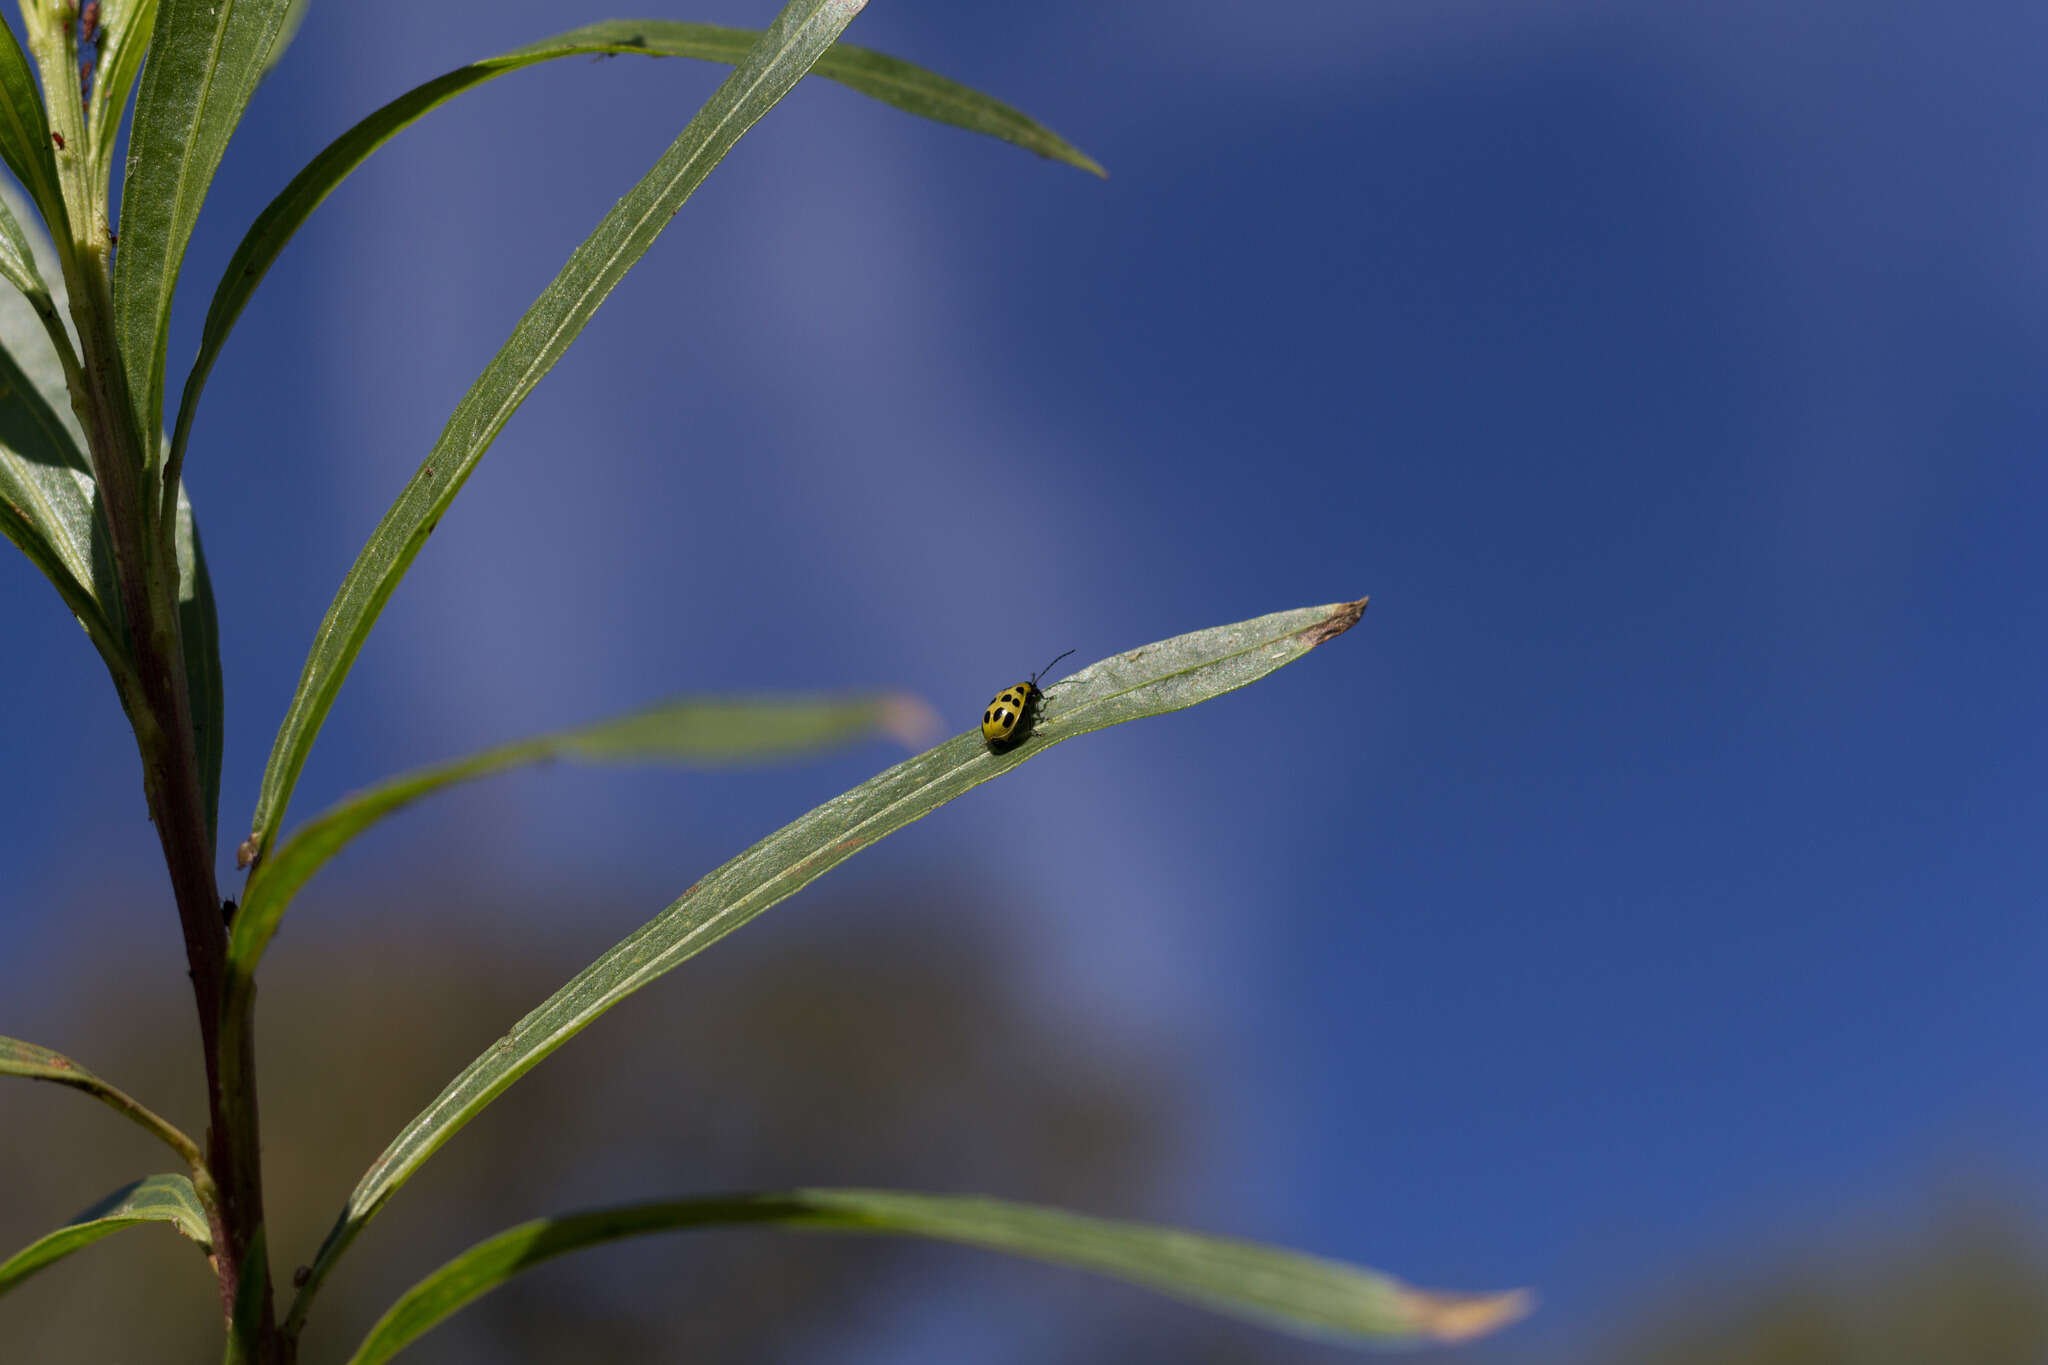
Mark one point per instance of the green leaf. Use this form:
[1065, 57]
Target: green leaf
[25, 129]
[917, 91]
[799, 36]
[1282, 1289]
[158, 1199]
[705, 732]
[204, 60]
[18, 1058]
[289, 31]
[49, 504]
[48, 500]
[18, 262]
[245, 1327]
[199, 625]
[1147, 681]
[125, 27]
[880, 77]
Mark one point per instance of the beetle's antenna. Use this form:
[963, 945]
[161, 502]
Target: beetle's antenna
[1047, 669]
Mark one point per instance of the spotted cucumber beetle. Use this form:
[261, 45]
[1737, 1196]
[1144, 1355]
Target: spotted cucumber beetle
[1007, 719]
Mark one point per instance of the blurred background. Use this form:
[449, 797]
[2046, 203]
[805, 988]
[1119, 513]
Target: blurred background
[1642, 904]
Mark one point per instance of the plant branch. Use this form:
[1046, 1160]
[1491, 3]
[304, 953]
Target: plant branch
[147, 573]
[158, 704]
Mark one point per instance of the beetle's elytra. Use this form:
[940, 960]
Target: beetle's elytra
[1006, 719]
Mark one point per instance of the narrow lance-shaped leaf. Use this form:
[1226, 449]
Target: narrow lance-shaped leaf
[1147, 681]
[125, 27]
[18, 262]
[34, 1063]
[49, 506]
[48, 500]
[285, 34]
[25, 253]
[885, 78]
[800, 34]
[25, 129]
[1283, 1289]
[200, 627]
[158, 1199]
[700, 731]
[204, 60]
[48, 503]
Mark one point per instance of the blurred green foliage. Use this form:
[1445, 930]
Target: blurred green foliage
[870, 1045]
[883, 1041]
[1967, 1285]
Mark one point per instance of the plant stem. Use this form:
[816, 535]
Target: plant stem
[145, 566]
[155, 695]
[146, 571]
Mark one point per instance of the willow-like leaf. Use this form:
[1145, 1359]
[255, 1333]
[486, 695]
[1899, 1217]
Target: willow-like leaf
[800, 34]
[125, 26]
[18, 262]
[158, 1199]
[205, 57]
[34, 1063]
[199, 625]
[48, 500]
[1146, 681]
[899, 83]
[25, 129]
[289, 31]
[1283, 1289]
[697, 731]
[49, 506]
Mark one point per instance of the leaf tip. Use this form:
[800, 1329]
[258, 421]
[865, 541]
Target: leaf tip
[1452, 1318]
[1341, 618]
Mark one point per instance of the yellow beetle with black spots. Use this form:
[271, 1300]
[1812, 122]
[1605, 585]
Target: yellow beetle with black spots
[1007, 719]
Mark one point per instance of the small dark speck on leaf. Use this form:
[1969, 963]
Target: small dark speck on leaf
[57, 138]
[301, 1275]
[1338, 621]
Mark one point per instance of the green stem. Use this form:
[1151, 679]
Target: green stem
[145, 567]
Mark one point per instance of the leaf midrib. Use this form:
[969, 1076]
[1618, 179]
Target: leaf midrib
[456, 1098]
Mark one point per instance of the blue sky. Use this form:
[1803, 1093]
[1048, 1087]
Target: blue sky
[1652, 877]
